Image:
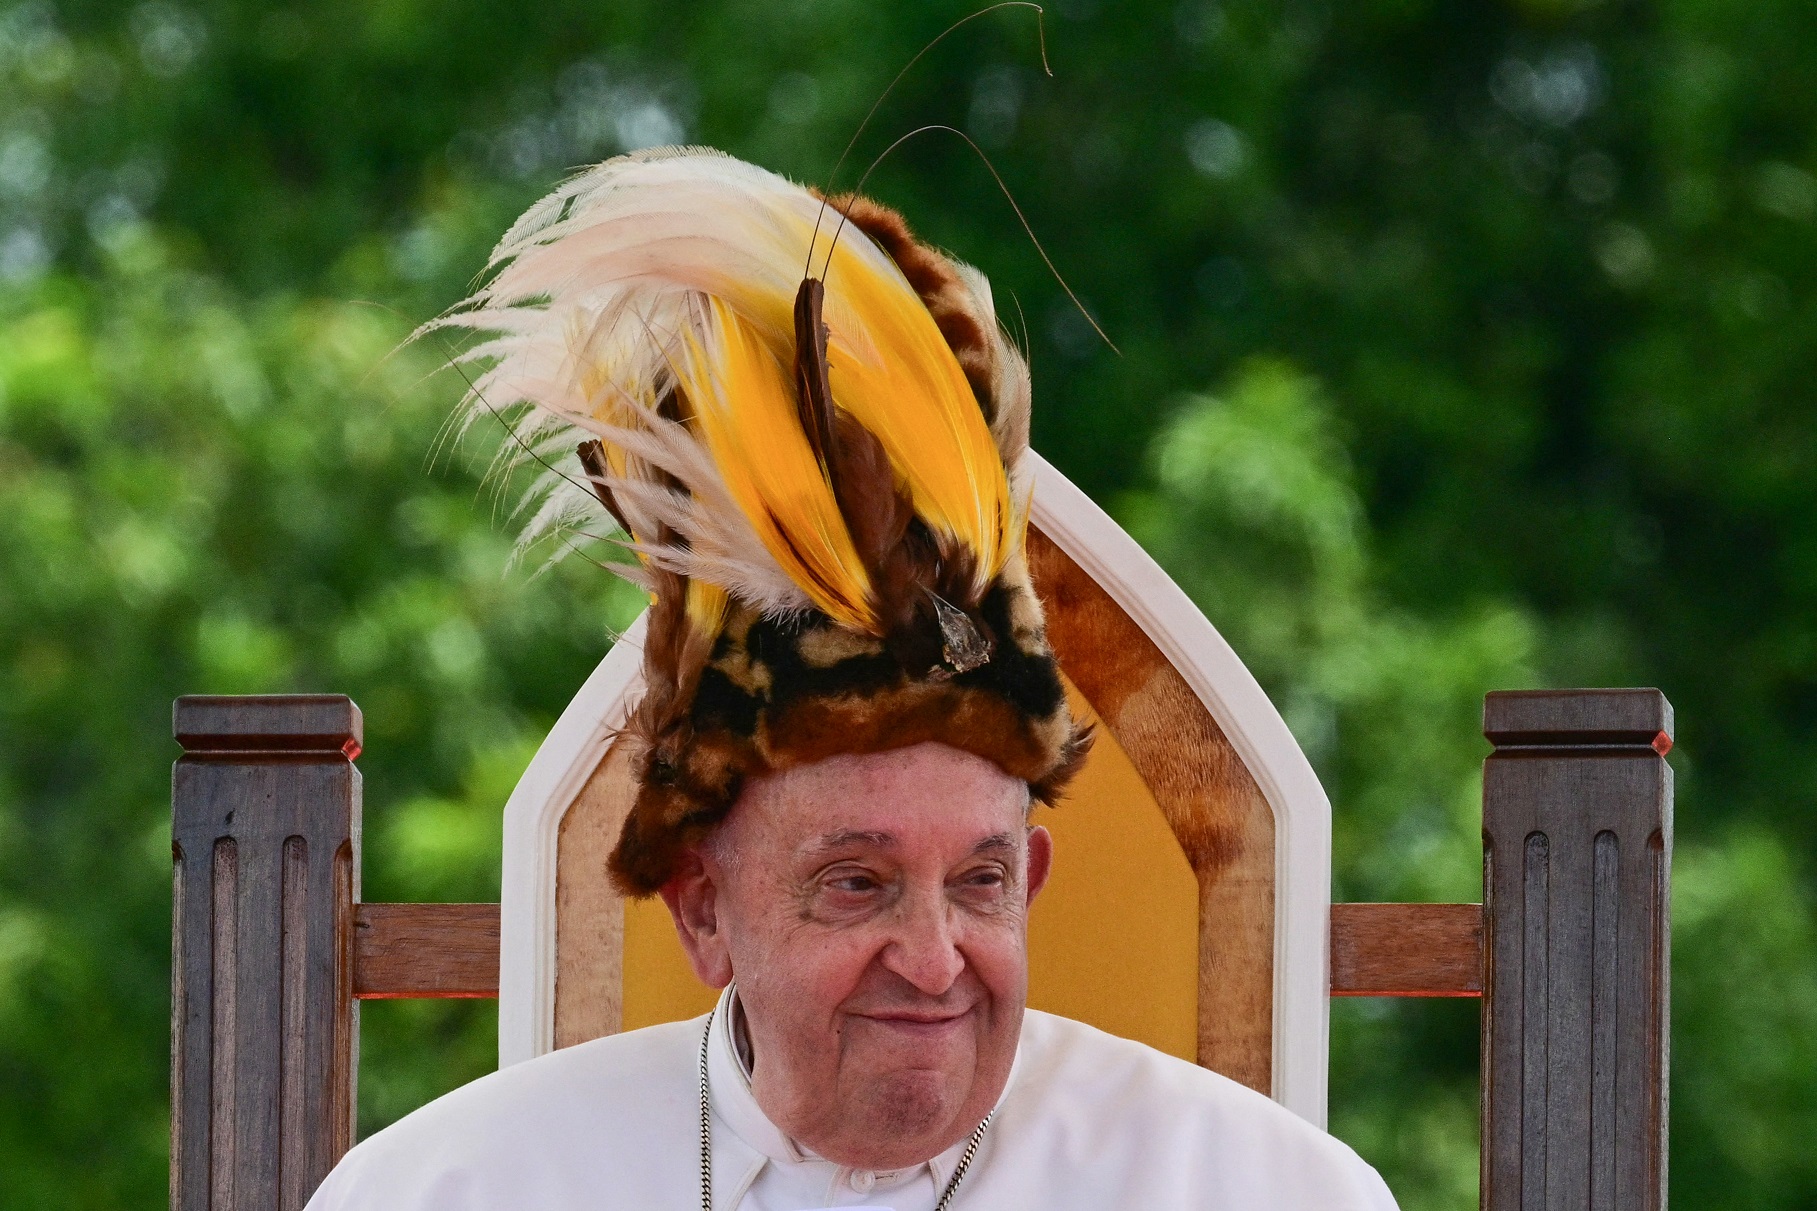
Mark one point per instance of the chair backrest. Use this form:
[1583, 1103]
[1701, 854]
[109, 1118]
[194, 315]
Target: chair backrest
[273, 949]
[1190, 902]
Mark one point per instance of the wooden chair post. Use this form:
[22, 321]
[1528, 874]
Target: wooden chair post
[265, 806]
[1577, 843]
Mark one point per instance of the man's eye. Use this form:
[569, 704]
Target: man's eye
[853, 883]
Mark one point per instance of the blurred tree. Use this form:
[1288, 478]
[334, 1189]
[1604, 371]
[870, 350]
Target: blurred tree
[207, 492]
[1255, 512]
[1506, 314]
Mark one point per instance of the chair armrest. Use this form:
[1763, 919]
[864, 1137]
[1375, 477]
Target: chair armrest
[425, 950]
[1406, 950]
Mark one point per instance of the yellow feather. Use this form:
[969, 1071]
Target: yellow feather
[891, 368]
[744, 411]
[706, 607]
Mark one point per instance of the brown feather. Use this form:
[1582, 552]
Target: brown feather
[814, 397]
[876, 510]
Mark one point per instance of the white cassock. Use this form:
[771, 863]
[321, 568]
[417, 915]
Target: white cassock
[1088, 1121]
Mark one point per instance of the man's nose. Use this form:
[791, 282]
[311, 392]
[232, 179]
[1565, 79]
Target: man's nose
[925, 948]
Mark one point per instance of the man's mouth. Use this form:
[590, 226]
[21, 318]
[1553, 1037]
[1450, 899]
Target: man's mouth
[928, 1023]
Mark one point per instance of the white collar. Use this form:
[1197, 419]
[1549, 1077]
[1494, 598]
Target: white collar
[736, 1106]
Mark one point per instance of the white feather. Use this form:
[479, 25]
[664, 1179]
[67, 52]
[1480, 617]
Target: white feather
[1011, 394]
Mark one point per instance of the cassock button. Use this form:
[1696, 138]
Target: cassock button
[862, 1180]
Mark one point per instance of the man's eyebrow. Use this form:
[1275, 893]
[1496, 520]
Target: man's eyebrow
[846, 838]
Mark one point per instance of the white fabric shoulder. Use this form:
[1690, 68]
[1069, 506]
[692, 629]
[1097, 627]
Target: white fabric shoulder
[1129, 1125]
[1089, 1121]
[594, 1125]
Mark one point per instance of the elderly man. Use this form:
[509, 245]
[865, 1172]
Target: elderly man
[850, 708]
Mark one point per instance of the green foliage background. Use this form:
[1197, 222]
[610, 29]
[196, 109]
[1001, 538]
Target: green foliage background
[1465, 346]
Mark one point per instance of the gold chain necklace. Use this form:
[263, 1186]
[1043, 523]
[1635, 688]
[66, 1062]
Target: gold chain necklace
[706, 1137]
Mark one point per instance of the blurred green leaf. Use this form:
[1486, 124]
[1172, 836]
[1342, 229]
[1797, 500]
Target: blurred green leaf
[1502, 322]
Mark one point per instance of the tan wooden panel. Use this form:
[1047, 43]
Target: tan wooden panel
[1114, 937]
[1211, 802]
[589, 914]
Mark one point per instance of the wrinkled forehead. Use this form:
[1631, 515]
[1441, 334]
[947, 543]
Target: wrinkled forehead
[928, 794]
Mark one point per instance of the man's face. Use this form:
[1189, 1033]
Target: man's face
[874, 911]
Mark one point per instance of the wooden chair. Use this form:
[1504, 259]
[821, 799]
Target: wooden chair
[1190, 905]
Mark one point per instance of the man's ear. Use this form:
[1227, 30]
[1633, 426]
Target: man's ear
[1040, 860]
[693, 899]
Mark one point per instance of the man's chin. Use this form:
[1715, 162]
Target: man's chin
[901, 1118]
[900, 1107]
[914, 1102]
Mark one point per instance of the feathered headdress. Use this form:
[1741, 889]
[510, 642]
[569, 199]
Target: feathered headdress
[812, 457]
